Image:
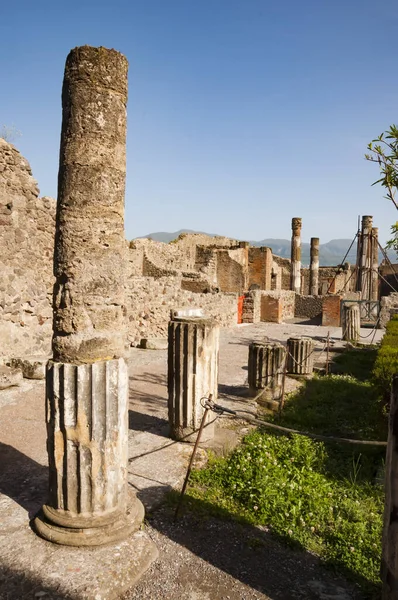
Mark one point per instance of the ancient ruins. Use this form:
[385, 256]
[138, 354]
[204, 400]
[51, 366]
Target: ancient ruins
[70, 315]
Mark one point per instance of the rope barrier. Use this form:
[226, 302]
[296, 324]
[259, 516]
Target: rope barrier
[219, 409]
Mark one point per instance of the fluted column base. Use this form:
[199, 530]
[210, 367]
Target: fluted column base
[87, 442]
[60, 528]
[265, 373]
[300, 360]
[351, 324]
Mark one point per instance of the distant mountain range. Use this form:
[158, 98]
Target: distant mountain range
[330, 254]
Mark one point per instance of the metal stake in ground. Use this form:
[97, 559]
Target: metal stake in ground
[184, 487]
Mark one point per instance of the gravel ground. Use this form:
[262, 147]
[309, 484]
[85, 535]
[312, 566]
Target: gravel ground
[210, 559]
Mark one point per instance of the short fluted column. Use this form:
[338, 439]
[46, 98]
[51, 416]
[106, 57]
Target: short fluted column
[192, 375]
[300, 360]
[351, 323]
[87, 425]
[265, 372]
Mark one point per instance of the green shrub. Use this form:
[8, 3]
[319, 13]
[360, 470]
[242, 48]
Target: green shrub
[386, 365]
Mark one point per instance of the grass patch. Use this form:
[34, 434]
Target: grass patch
[322, 496]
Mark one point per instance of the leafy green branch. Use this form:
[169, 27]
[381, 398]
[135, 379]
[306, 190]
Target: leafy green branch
[384, 152]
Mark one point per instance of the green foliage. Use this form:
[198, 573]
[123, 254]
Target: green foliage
[358, 362]
[284, 483]
[386, 365]
[384, 151]
[322, 496]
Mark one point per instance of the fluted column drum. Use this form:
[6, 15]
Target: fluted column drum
[351, 324]
[300, 359]
[265, 371]
[192, 375]
[87, 426]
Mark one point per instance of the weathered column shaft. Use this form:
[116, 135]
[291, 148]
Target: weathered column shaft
[296, 255]
[87, 382]
[374, 295]
[90, 247]
[192, 375]
[88, 426]
[314, 267]
[265, 371]
[366, 257]
[351, 322]
[300, 360]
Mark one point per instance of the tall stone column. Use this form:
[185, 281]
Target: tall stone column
[192, 375]
[295, 283]
[366, 257]
[87, 380]
[314, 267]
[374, 295]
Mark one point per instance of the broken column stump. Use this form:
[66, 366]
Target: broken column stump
[300, 360]
[351, 323]
[265, 372]
[87, 381]
[192, 375]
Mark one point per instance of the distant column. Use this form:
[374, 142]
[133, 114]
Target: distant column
[87, 380]
[295, 284]
[366, 257]
[375, 265]
[314, 267]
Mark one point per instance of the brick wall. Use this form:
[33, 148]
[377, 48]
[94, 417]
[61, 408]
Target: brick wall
[277, 306]
[260, 267]
[331, 311]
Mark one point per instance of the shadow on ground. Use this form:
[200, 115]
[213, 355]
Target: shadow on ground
[255, 556]
[18, 585]
[22, 479]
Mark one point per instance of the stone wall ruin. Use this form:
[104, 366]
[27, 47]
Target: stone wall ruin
[27, 225]
[195, 270]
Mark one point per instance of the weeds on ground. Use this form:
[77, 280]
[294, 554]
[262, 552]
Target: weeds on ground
[322, 496]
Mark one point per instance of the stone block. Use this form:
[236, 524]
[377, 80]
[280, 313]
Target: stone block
[154, 343]
[182, 313]
[32, 367]
[9, 377]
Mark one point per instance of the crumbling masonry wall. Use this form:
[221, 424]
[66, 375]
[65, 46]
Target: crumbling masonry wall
[150, 300]
[27, 226]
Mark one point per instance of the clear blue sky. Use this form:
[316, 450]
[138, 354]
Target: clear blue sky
[241, 115]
